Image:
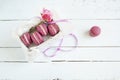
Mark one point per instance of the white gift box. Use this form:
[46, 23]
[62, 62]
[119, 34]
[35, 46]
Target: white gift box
[36, 51]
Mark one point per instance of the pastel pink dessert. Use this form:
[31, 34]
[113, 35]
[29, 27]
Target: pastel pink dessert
[25, 38]
[42, 29]
[95, 31]
[36, 38]
[53, 29]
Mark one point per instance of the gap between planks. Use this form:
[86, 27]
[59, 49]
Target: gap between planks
[73, 46]
[59, 61]
[70, 19]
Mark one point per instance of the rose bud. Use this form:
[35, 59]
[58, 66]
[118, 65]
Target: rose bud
[53, 29]
[36, 37]
[94, 31]
[25, 38]
[42, 29]
[46, 15]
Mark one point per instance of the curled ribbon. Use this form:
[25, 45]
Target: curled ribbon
[59, 48]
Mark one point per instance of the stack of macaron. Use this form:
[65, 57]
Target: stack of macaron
[37, 33]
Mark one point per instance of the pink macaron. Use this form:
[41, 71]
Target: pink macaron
[53, 29]
[95, 31]
[42, 29]
[36, 38]
[25, 38]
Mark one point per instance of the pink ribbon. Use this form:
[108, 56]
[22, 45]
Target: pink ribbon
[61, 41]
[59, 47]
[61, 20]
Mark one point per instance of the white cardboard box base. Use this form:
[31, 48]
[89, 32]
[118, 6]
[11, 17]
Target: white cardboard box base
[33, 52]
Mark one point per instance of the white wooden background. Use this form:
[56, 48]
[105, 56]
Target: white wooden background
[94, 59]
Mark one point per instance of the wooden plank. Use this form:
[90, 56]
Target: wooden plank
[83, 9]
[11, 54]
[97, 58]
[77, 55]
[109, 33]
[7, 33]
[64, 71]
[90, 54]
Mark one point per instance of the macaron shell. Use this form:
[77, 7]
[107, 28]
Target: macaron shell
[25, 38]
[53, 29]
[36, 38]
[42, 29]
[56, 26]
[95, 31]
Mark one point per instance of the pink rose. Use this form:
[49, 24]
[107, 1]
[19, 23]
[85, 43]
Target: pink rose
[46, 15]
